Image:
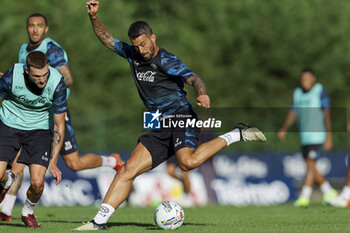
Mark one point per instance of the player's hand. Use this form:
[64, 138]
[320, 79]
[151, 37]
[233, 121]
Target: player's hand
[1, 74]
[281, 134]
[56, 173]
[92, 6]
[203, 100]
[328, 144]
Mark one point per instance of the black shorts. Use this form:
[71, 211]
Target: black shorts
[163, 143]
[311, 151]
[35, 144]
[172, 160]
[69, 143]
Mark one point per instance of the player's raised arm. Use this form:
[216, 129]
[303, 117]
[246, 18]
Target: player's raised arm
[199, 86]
[101, 30]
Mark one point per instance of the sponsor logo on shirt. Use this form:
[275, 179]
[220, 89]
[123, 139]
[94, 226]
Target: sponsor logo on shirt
[147, 76]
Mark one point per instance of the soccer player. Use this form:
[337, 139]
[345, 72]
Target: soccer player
[311, 109]
[160, 78]
[33, 95]
[37, 28]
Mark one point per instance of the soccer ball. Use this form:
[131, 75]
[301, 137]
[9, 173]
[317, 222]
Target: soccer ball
[169, 215]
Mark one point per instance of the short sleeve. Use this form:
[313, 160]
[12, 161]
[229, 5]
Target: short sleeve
[60, 98]
[55, 55]
[6, 82]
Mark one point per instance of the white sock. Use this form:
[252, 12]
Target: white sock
[104, 214]
[9, 181]
[231, 137]
[8, 203]
[306, 192]
[326, 187]
[28, 208]
[109, 161]
[345, 193]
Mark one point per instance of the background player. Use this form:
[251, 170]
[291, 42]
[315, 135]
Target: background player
[159, 77]
[33, 95]
[37, 27]
[311, 107]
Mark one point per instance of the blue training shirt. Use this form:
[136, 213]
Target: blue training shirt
[160, 80]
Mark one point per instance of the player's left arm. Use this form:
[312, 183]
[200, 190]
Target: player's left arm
[58, 60]
[326, 108]
[67, 75]
[56, 145]
[201, 91]
[59, 110]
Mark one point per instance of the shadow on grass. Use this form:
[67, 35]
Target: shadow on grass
[12, 224]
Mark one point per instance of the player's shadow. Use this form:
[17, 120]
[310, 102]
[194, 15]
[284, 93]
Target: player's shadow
[154, 227]
[114, 224]
[12, 224]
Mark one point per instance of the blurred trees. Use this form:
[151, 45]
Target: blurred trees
[249, 53]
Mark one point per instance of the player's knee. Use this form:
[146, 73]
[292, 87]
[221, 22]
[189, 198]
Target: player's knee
[127, 172]
[188, 164]
[37, 185]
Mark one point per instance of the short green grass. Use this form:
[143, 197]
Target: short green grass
[213, 218]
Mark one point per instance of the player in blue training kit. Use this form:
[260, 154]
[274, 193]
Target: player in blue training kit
[34, 96]
[37, 28]
[311, 109]
[159, 77]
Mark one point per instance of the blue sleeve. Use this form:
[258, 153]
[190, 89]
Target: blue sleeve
[124, 50]
[174, 67]
[6, 83]
[60, 98]
[325, 100]
[55, 55]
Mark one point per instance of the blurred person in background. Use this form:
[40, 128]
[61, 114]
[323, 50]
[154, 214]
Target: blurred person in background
[311, 109]
[37, 27]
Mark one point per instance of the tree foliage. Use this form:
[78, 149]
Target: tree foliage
[249, 53]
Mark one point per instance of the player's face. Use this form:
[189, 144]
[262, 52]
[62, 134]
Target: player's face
[145, 45]
[307, 81]
[38, 76]
[36, 29]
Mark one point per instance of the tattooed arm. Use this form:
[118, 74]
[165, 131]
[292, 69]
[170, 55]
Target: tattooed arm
[199, 87]
[101, 30]
[57, 142]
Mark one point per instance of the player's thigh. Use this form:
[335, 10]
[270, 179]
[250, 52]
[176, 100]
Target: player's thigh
[71, 158]
[3, 166]
[139, 161]
[17, 168]
[37, 174]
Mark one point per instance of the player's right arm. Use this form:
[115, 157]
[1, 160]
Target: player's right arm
[6, 82]
[101, 30]
[288, 122]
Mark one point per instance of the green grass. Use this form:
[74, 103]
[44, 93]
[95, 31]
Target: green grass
[282, 218]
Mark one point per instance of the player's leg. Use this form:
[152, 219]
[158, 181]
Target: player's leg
[139, 162]
[70, 154]
[34, 192]
[91, 160]
[36, 150]
[309, 156]
[171, 170]
[10, 197]
[190, 157]
[186, 182]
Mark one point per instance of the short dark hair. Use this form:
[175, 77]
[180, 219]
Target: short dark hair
[138, 28]
[37, 15]
[36, 59]
[308, 69]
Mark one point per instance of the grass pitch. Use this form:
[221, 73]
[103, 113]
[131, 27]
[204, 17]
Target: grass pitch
[281, 218]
